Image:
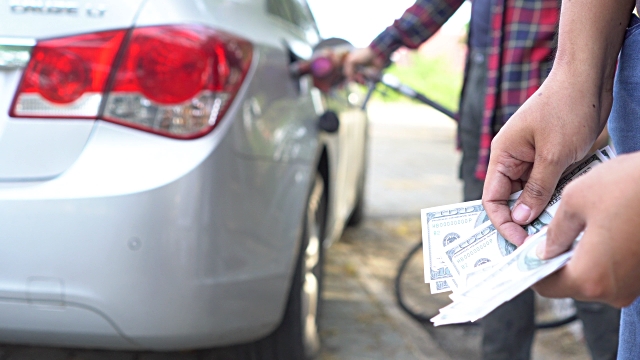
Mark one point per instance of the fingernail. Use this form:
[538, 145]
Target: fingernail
[521, 213]
[540, 249]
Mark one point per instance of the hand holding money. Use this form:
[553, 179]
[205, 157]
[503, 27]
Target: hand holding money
[513, 275]
[465, 253]
[542, 138]
[606, 266]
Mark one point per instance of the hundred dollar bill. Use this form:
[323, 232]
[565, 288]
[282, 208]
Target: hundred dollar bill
[440, 226]
[573, 172]
[484, 247]
[514, 274]
[473, 279]
[445, 226]
[608, 152]
[487, 246]
[443, 285]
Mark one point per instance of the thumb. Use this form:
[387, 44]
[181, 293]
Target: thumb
[562, 232]
[537, 191]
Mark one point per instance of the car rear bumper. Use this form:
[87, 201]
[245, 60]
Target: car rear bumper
[165, 246]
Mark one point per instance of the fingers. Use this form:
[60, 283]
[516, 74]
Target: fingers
[356, 58]
[361, 58]
[496, 193]
[560, 284]
[587, 276]
[565, 227]
[581, 279]
[537, 191]
[574, 279]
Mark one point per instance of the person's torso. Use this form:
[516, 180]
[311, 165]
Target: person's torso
[480, 24]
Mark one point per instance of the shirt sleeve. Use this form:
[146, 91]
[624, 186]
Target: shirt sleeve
[416, 25]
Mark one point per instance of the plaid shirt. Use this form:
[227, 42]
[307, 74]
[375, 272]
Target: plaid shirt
[522, 42]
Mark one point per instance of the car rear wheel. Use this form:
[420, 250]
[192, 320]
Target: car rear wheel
[298, 336]
[357, 214]
[311, 272]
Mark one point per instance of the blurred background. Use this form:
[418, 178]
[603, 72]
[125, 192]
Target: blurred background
[413, 164]
[435, 69]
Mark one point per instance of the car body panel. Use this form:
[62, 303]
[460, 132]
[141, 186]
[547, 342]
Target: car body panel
[50, 19]
[139, 241]
[31, 150]
[35, 150]
[207, 241]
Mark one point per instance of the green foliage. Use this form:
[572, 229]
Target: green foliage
[434, 77]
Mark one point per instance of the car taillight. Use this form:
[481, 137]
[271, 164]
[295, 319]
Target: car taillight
[67, 77]
[175, 80]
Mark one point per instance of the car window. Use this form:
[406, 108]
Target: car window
[299, 12]
[296, 12]
[277, 8]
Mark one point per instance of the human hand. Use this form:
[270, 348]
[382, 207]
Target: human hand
[553, 129]
[361, 58]
[604, 204]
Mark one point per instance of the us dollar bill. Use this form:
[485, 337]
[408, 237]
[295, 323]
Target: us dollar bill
[484, 247]
[514, 274]
[450, 255]
[505, 276]
[440, 226]
[608, 152]
[573, 172]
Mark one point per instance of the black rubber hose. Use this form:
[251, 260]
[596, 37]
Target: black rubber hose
[424, 319]
[394, 84]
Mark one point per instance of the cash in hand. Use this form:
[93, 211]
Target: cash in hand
[464, 253]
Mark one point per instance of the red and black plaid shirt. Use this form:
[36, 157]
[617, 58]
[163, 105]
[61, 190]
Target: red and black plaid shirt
[522, 41]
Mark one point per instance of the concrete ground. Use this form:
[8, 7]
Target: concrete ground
[413, 165]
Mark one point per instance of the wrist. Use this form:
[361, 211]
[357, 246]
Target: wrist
[589, 91]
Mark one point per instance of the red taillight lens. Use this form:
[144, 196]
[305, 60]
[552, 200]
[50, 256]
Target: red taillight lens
[170, 65]
[61, 76]
[175, 80]
[67, 77]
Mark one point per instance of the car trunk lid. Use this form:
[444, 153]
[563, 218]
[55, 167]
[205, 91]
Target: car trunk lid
[33, 148]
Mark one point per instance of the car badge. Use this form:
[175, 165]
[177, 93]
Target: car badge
[52, 7]
[15, 53]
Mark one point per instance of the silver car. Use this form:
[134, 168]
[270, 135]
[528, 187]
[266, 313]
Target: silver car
[164, 183]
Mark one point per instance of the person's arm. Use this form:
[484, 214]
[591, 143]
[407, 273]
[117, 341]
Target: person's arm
[560, 122]
[417, 24]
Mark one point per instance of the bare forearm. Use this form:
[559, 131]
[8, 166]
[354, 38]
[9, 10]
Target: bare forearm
[590, 36]
[558, 124]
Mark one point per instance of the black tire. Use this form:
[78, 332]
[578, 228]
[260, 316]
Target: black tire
[298, 336]
[357, 214]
